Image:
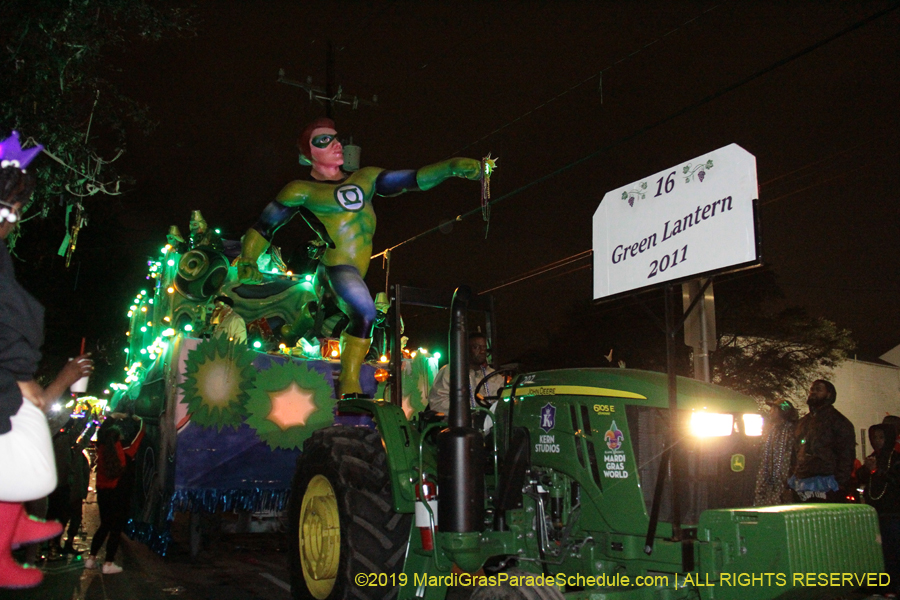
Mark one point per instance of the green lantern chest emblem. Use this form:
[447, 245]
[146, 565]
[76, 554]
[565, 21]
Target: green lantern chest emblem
[350, 197]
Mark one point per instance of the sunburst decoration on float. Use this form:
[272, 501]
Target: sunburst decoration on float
[288, 404]
[218, 374]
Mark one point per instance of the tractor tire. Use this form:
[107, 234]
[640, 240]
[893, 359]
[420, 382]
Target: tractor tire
[343, 530]
[506, 591]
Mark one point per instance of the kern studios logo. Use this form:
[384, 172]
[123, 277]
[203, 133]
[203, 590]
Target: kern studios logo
[614, 437]
[350, 197]
[548, 417]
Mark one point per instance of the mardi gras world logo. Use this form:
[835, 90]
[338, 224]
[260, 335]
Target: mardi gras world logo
[614, 437]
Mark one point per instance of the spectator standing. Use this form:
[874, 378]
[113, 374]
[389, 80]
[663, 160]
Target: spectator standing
[81, 478]
[112, 491]
[877, 438]
[824, 449]
[58, 504]
[775, 462]
[883, 493]
[73, 474]
[27, 470]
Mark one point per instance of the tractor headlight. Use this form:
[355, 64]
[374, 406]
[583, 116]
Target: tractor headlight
[704, 424]
[753, 424]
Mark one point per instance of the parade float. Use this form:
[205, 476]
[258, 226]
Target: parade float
[226, 420]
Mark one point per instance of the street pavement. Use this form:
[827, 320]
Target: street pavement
[236, 566]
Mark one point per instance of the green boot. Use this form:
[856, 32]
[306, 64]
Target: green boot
[353, 354]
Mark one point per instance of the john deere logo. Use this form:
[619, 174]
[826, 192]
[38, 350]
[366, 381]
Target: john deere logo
[738, 462]
[548, 417]
[350, 196]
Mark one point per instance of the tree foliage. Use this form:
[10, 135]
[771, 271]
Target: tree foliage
[771, 352]
[58, 86]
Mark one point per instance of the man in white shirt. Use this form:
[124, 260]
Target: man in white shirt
[227, 322]
[439, 396]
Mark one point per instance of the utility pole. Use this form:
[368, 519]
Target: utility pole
[332, 94]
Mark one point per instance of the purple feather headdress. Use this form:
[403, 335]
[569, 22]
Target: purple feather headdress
[12, 154]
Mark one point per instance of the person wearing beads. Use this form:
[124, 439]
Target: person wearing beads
[775, 460]
[338, 207]
[27, 471]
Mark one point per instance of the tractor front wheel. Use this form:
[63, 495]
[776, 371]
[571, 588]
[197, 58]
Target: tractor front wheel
[342, 523]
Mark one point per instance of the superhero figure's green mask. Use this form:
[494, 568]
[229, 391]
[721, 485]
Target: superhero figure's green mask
[323, 141]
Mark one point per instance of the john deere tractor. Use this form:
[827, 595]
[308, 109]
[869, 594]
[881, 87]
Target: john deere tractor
[584, 486]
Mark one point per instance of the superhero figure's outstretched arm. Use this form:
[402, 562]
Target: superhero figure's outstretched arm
[391, 183]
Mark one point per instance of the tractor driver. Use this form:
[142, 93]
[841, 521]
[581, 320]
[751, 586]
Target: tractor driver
[338, 207]
[439, 396]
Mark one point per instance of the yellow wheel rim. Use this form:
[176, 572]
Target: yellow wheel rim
[320, 537]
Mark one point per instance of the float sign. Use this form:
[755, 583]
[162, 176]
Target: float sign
[696, 218]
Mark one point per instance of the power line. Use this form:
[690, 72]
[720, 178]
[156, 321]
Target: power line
[821, 160]
[541, 270]
[584, 81]
[841, 288]
[840, 175]
[664, 120]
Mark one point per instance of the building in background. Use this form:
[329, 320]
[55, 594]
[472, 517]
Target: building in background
[866, 392]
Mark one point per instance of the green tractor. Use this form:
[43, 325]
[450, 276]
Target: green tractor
[570, 493]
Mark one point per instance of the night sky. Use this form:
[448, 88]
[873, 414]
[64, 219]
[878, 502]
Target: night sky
[523, 81]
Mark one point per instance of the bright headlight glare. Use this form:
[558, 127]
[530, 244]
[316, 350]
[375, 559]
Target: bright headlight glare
[704, 424]
[753, 424]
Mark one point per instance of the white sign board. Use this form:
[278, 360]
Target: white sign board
[695, 218]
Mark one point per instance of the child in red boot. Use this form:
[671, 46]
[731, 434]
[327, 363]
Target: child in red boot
[27, 470]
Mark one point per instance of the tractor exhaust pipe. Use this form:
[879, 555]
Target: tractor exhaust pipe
[461, 454]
